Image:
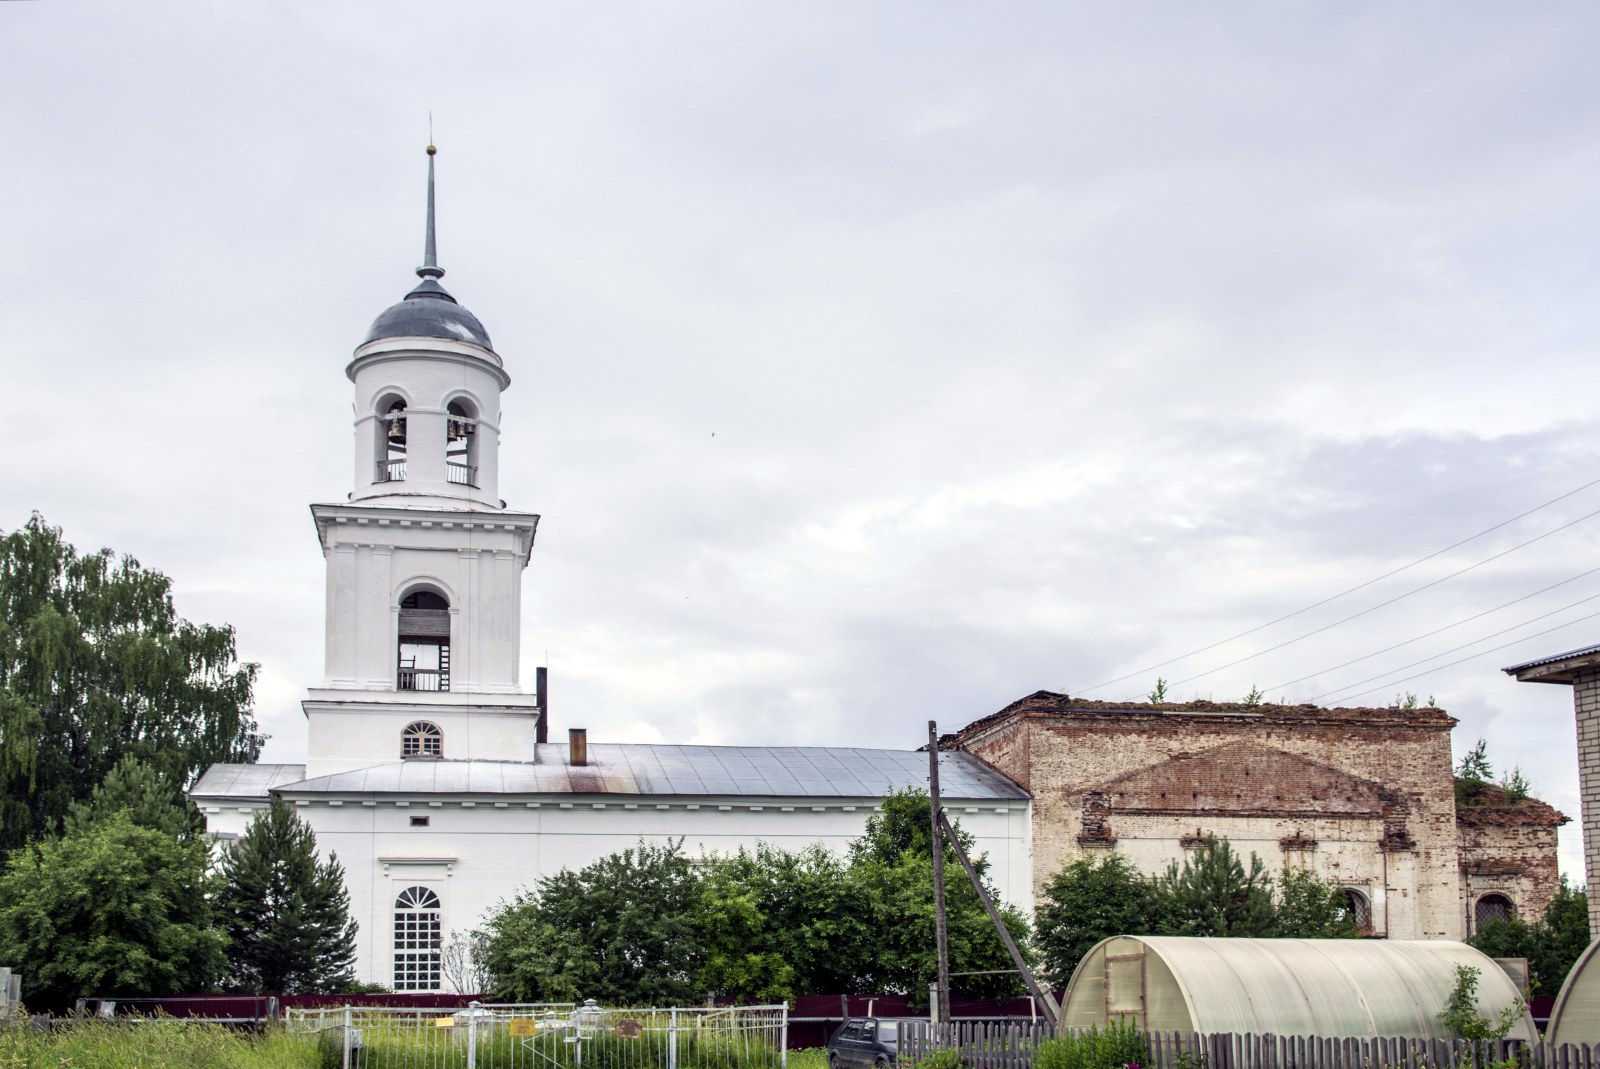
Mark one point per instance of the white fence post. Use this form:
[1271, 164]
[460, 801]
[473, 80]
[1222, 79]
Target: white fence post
[672, 1038]
[472, 1034]
[783, 1038]
[345, 1039]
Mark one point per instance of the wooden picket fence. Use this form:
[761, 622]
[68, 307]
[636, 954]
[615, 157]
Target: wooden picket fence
[1010, 1045]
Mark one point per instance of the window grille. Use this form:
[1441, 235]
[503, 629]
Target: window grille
[417, 932]
[1492, 908]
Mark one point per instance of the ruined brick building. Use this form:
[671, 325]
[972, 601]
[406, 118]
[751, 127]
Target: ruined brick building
[1364, 797]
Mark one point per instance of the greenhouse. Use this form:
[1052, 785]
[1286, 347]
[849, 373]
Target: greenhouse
[1575, 1018]
[1308, 987]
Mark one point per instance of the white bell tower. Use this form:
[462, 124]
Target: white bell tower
[424, 562]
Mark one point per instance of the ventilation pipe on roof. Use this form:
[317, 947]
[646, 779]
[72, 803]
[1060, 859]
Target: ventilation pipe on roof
[577, 746]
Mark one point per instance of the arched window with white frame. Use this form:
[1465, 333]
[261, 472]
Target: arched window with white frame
[418, 928]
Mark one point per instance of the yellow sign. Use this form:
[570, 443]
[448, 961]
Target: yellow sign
[523, 1026]
[444, 1022]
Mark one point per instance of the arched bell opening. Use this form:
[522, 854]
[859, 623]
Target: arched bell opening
[424, 646]
[389, 443]
[461, 443]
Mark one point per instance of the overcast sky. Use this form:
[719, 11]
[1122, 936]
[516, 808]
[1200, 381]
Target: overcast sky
[871, 363]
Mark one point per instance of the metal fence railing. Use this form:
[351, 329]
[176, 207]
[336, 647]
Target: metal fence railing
[549, 1036]
[1011, 1045]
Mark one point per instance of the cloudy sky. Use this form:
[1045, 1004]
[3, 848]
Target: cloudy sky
[872, 362]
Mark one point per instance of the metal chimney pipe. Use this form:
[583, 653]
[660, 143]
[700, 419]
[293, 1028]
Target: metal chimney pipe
[541, 692]
[577, 746]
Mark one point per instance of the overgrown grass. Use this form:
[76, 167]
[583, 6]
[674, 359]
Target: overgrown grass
[165, 1044]
[809, 1058]
[1117, 1045]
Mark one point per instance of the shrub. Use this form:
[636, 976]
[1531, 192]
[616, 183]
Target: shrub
[1119, 1044]
[943, 1058]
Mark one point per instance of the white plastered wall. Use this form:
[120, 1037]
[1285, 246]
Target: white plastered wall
[478, 852]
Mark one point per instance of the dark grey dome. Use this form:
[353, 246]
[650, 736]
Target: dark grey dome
[429, 312]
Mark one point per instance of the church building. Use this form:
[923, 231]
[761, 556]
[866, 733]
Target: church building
[427, 769]
[430, 774]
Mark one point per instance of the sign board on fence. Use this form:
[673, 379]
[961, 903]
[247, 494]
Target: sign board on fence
[629, 1029]
[444, 1022]
[522, 1026]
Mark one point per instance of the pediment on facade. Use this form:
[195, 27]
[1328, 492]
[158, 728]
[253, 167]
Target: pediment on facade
[1240, 780]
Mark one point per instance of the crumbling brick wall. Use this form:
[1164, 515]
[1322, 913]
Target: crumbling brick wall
[1507, 848]
[1397, 832]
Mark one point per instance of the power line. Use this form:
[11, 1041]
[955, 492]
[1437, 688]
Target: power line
[1386, 604]
[1475, 656]
[1342, 593]
[1281, 687]
[1458, 649]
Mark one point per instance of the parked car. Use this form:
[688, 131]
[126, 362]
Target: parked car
[865, 1043]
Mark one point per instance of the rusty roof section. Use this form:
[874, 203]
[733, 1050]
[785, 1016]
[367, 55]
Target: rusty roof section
[1047, 704]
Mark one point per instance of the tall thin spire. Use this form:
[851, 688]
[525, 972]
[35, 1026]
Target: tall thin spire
[430, 254]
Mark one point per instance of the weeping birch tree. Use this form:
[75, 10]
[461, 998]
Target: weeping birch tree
[96, 666]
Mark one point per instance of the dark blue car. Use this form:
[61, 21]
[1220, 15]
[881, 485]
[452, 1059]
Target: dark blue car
[865, 1043]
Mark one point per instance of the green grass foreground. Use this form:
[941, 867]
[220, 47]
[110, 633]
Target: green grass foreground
[165, 1044]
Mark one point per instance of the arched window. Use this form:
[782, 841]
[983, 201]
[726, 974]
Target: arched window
[1492, 908]
[391, 442]
[1358, 908]
[416, 940]
[421, 739]
[424, 656]
[461, 444]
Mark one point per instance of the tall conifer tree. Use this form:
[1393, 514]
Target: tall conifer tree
[286, 914]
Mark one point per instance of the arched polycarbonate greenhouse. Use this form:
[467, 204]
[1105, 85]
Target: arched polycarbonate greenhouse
[1575, 1017]
[1305, 987]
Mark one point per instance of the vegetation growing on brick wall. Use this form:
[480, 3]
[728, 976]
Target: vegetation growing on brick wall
[1476, 785]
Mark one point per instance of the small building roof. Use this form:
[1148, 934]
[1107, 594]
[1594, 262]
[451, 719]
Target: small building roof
[244, 782]
[1558, 668]
[647, 769]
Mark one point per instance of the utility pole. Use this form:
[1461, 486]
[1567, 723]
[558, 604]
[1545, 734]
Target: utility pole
[941, 1009]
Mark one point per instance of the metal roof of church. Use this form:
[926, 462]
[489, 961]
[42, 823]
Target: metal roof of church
[245, 781]
[646, 769]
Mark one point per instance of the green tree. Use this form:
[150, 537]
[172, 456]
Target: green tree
[892, 863]
[623, 929]
[286, 914]
[1213, 894]
[96, 665]
[1306, 907]
[1551, 943]
[1092, 898]
[110, 909]
[817, 920]
[149, 800]
[1473, 773]
[742, 959]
